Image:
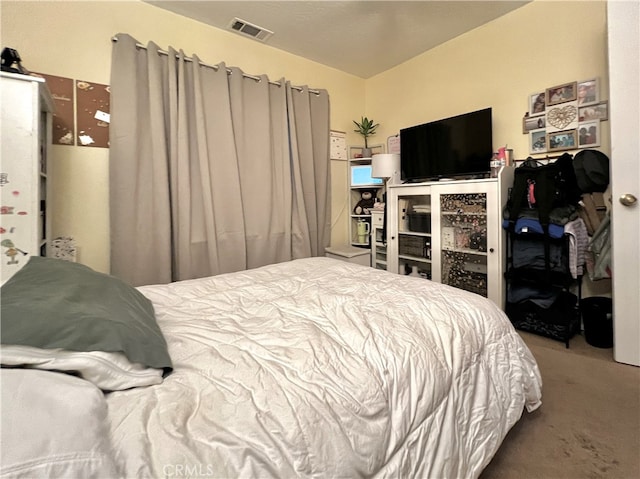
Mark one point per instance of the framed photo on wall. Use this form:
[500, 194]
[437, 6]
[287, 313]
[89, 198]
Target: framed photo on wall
[538, 141]
[588, 92]
[562, 140]
[530, 123]
[561, 93]
[537, 104]
[594, 112]
[589, 134]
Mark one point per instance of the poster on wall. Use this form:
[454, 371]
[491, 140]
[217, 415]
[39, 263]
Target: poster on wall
[338, 145]
[62, 92]
[92, 111]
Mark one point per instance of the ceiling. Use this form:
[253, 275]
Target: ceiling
[361, 37]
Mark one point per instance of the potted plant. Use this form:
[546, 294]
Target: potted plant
[366, 128]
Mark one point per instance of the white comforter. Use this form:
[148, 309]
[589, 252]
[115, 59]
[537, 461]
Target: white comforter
[323, 368]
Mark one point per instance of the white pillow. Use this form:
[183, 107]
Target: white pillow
[108, 371]
[53, 425]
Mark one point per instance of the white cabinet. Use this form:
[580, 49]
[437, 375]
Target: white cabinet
[24, 171]
[451, 232]
[378, 243]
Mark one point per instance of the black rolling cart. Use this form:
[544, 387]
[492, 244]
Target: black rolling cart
[545, 249]
[539, 291]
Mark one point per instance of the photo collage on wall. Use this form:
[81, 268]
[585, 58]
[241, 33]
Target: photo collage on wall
[565, 117]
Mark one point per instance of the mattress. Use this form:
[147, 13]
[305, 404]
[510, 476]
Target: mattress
[323, 368]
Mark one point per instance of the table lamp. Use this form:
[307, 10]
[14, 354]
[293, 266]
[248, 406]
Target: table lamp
[387, 166]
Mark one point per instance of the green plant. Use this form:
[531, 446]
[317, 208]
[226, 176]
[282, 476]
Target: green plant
[366, 128]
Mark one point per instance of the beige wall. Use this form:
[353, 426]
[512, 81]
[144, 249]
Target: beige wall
[73, 39]
[499, 64]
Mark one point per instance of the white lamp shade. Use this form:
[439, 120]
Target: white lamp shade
[385, 165]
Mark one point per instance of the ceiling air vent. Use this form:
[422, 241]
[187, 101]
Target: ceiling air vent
[249, 29]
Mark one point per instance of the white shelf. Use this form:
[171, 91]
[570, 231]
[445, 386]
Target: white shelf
[355, 192]
[414, 233]
[417, 259]
[465, 251]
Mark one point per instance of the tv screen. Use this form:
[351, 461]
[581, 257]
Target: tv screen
[447, 148]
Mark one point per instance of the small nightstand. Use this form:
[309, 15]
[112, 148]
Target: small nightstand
[378, 244]
[350, 254]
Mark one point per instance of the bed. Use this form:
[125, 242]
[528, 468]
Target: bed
[308, 368]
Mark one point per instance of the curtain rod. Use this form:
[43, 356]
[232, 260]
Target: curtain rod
[215, 67]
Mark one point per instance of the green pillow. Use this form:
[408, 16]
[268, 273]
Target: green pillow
[51, 303]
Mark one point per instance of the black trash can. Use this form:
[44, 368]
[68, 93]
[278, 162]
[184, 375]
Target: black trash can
[597, 320]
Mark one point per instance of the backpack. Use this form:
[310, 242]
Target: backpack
[543, 187]
[592, 170]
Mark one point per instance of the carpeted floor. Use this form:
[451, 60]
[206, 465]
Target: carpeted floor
[588, 425]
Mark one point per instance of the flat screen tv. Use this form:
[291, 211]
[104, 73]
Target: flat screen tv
[447, 148]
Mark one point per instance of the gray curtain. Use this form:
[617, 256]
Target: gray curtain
[211, 171]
